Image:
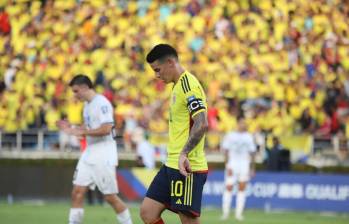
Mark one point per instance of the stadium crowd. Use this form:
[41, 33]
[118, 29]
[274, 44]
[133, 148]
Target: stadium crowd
[285, 67]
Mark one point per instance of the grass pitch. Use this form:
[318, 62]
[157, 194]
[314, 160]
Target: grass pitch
[57, 213]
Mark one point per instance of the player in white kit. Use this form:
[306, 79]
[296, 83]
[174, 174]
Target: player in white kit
[239, 149]
[97, 164]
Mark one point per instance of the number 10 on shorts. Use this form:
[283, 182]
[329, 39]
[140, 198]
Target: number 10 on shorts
[177, 189]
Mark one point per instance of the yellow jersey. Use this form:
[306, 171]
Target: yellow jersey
[187, 100]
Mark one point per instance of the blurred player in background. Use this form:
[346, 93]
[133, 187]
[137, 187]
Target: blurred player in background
[96, 166]
[145, 150]
[178, 185]
[239, 149]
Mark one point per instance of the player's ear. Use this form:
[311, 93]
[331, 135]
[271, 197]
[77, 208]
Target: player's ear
[171, 61]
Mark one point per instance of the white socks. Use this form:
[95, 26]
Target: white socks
[226, 203]
[240, 204]
[76, 215]
[124, 217]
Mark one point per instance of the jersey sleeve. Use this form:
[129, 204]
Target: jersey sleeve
[105, 113]
[194, 96]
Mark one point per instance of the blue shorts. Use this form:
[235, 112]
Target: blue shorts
[176, 192]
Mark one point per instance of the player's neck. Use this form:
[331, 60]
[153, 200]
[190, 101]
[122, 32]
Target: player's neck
[90, 95]
[178, 73]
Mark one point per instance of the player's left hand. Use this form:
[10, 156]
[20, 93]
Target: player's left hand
[184, 165]
[79, 132]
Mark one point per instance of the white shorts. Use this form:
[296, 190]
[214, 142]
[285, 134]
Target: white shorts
[240, 174]
[101, 152]
[101, 175]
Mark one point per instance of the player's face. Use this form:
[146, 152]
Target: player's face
[242, 125]
[79, 92]
[162, 70]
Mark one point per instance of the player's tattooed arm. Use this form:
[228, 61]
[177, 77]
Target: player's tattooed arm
[199, 128]
[197, 131]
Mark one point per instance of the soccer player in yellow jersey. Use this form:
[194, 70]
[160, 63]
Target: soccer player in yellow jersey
[178, 185]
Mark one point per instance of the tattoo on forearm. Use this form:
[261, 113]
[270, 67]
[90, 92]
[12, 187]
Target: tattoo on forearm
[198, 130]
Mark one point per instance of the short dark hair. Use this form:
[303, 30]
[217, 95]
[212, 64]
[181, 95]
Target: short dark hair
[161, 51]
[81, 80]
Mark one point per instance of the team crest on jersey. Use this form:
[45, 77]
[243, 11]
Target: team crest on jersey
[174, 98]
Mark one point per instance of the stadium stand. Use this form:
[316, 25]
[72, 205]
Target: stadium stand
[285, 67]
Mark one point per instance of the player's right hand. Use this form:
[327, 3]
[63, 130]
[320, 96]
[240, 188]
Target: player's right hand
[184, 165]
[63, 124]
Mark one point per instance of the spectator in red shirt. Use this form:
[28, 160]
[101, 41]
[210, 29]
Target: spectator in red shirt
[5, 26]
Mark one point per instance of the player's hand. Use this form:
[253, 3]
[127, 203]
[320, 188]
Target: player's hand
[63, 124]
[66, 127]
[79, 132]
[184, 165]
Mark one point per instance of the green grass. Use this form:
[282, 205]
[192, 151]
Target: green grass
[57, 213]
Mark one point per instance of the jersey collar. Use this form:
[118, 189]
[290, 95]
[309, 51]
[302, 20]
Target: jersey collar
[179, 78]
